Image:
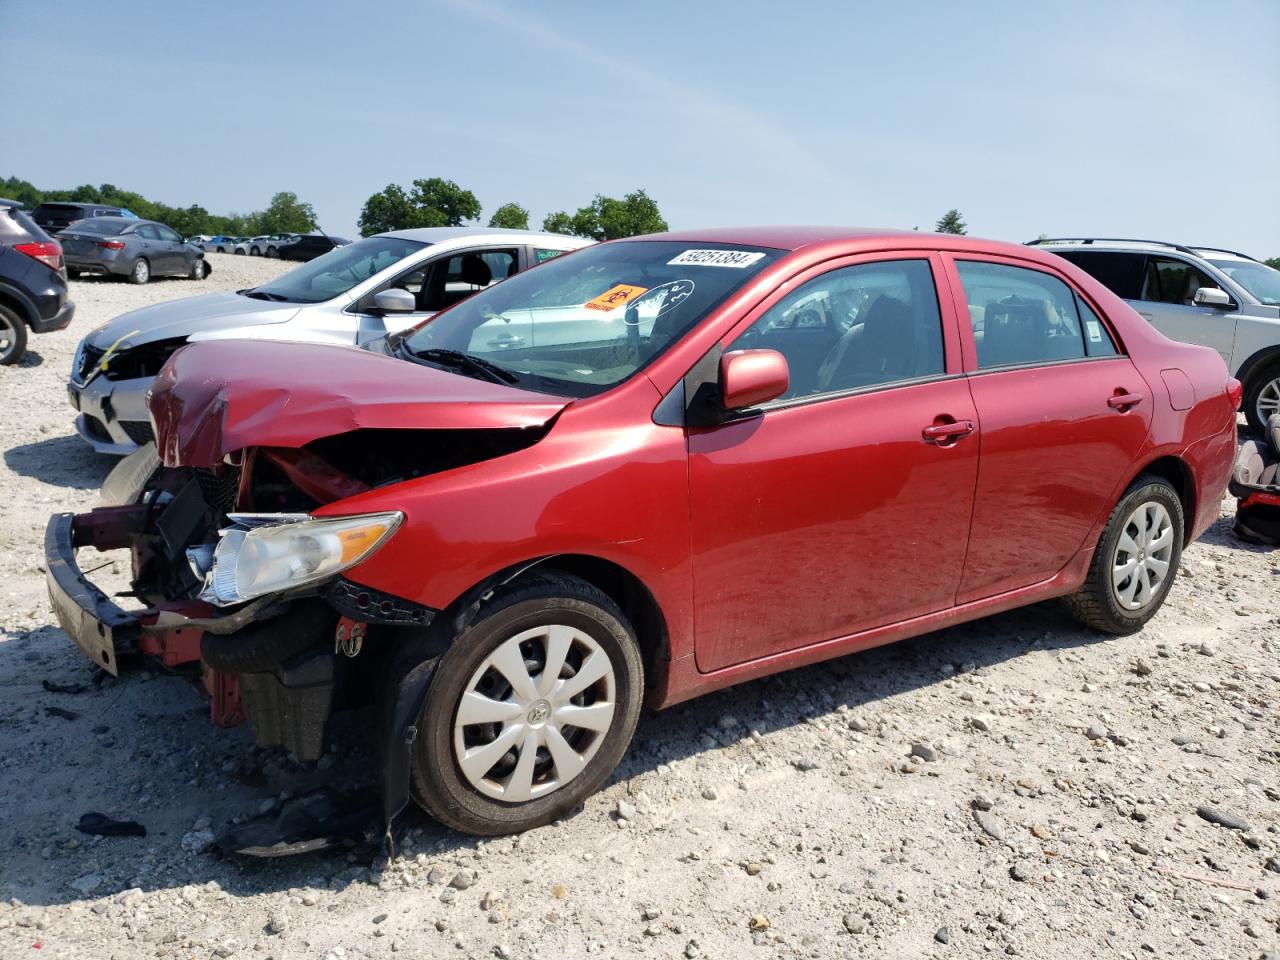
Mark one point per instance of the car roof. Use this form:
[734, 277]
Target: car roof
[849, 239]
[1120, 244]
[14, 204]
[458, 235]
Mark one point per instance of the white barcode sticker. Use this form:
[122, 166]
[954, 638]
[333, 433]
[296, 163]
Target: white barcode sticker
[716, 258]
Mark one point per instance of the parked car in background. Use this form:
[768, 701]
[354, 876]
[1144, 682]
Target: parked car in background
[809, 448]
[33, 282]
[199, 240]
[135, 249]
[55, 216]
[1217, 298]
[352, 295]
[243, 246]
[223, 244]
[307, 247]
[274, 242]
[263, 245]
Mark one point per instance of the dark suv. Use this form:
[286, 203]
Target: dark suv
[307, 247]
[55, 216]
[33, 282]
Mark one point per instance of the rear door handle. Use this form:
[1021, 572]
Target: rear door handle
[948, 431]
[1123, 401]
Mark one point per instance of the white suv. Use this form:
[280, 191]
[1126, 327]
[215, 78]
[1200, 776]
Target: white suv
[1217, 298]
[353, 295]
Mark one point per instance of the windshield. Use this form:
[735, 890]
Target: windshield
[1259, 279]
[338, 270]
[582, 323]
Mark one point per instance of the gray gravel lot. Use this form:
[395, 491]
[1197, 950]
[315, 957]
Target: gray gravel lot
[1015, 786]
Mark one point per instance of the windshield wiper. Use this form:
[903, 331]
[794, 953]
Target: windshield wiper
[462, 361]
[264, 295]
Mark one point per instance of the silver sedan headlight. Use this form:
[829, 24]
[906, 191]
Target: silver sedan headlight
[271, 552]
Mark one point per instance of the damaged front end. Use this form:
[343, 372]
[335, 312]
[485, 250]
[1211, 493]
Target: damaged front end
[234, 576]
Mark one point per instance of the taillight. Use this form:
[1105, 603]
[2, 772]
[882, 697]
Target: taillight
[110, 244]
[48, 252]
[1235, 392]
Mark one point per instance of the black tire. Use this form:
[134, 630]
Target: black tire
[255, 252]
[198, 270]
[73, 273]
[141, 272]
[238, 252]
[272, 253]
[1095, 604]
[437, 782]
[13, 336]
[262, 647]
[1269, 374]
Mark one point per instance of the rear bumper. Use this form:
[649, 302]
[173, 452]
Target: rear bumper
[1211, 460]
[59, 321]
[111, 264]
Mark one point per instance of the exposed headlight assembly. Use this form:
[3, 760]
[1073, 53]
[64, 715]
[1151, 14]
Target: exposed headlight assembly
[272, 552]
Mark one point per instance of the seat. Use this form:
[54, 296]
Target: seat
[472, 271]
[1011, 333]
[879, 349]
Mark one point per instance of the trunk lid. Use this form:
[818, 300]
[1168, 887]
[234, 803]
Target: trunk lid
[216, 397]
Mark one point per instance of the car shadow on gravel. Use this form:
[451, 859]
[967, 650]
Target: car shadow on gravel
[65, 461]
[31, 358]
[142, 748]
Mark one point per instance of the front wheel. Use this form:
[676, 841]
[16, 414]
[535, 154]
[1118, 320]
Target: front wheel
[1135, 561]
[141, 271]
[531, 708]
[13, 337]
[198, 270]
[272, 253]
[1262, 397]
[255, 252]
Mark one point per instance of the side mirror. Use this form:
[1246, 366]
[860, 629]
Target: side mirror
[1212, 297]
[394, 300]
[751, 377]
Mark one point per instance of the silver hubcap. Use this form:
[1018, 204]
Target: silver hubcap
[141, 270]
[534, 713]
[1143, 554]
[1269, 400]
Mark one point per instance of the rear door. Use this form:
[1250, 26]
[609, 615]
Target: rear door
[839, 507]
[1063, 412]
[1168, 286]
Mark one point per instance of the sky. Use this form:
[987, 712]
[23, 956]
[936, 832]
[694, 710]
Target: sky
[1130, 119]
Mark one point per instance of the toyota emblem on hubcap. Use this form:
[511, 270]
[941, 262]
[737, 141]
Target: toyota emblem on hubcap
[539, 711]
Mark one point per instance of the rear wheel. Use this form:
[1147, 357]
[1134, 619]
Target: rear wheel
[255, 252]
[272, 253]
[13, 336]
[530, 709]
[1262, 397]
[1135, 561]
[141, 271]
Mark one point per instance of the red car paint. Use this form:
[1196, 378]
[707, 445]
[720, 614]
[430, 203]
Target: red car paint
[808, 532]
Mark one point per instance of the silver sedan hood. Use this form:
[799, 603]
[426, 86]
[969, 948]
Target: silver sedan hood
[182, 318]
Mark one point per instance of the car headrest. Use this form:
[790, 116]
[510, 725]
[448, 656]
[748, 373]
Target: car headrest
[475, 271]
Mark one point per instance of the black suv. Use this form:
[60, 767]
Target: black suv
[55, 216]
[33, 282]
[308, 247]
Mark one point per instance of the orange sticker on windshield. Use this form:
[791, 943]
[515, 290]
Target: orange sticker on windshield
[615, 297]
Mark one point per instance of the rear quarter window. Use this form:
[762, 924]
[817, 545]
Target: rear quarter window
[1121, 273]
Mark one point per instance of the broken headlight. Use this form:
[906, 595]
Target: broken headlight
[272, 552]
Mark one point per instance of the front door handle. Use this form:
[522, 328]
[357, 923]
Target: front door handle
[943, 432]
[1123, 401]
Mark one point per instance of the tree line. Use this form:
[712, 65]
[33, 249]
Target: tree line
[284, 214]
[436, 202]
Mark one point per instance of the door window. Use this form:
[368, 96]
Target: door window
[148, 231]
[462, 274]
[1024, 316]
[859, 326]
[168, 234]
[1172, 281]
[1120, 272]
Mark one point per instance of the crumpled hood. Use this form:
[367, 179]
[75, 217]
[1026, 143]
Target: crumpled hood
[181, 318]
[215, 397]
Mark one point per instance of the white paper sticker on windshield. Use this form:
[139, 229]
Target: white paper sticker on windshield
[715, 258]
[1095, 331]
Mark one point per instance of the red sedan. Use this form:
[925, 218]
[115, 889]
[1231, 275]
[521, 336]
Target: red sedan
[640, 472]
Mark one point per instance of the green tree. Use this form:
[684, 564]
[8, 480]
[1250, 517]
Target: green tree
[1273, 263]
[286, 214]
[558, 222]
[608, 218]
[24, 192]
[951, 222]
[510, 216]
[444, 203]
[432, 203]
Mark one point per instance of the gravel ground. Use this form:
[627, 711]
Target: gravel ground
[1015, 786]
